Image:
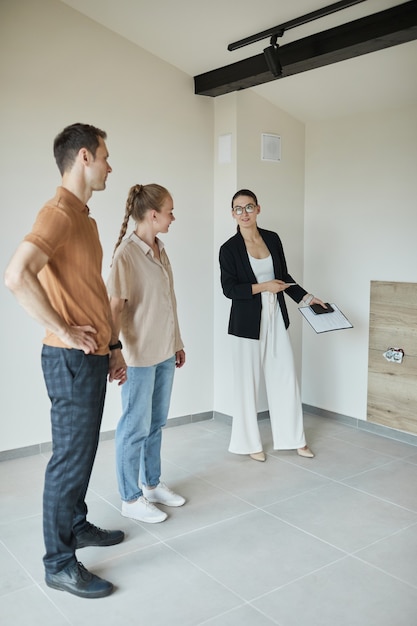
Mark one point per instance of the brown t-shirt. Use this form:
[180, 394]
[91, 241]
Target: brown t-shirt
[72, 278]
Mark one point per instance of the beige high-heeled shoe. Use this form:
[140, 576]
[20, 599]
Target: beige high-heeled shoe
[258, 456]
[306, 452]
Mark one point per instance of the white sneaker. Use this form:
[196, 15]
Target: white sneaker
[143, 511]
[162, 494]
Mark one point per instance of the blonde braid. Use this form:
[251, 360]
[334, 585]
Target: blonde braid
[133, 192]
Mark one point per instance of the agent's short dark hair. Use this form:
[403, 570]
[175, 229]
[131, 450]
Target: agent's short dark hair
[70, 141]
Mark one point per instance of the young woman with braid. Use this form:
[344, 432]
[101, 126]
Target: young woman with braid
[144, 312]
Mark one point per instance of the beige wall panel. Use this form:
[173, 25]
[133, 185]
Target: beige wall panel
[392, 387]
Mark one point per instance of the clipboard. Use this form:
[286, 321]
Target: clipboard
[325, 323]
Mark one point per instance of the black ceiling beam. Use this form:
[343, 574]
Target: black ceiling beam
[375, 32]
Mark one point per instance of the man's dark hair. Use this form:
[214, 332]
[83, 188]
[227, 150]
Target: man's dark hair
[70, 141]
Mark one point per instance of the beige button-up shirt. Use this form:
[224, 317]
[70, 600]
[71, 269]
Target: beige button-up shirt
[149, 326]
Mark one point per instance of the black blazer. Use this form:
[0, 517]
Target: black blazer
[237, 278]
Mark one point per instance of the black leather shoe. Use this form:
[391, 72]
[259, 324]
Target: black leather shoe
[76, 579]
[93, 536]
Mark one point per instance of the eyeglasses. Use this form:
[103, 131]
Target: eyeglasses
[249, 208]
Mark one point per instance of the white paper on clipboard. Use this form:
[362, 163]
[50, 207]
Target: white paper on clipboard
[326, 321]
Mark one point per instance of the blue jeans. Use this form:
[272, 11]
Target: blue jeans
[76, 384]
[145, 402]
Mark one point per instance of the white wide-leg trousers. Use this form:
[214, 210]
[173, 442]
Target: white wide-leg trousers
[271, 356]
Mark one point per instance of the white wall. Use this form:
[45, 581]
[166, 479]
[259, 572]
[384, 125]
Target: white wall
[58, 67]
[225, 185]
[360, 225]
[280, 191]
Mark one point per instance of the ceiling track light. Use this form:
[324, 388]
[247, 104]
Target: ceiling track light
[278, 31]
[272, 56]
[271, 53]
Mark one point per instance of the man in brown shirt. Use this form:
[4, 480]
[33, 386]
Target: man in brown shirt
[55, 275]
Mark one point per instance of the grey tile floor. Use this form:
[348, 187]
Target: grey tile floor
[329, 541]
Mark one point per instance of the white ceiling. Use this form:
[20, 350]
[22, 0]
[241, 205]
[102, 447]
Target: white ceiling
[193, 35]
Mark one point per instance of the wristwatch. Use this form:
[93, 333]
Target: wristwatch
[116, 346]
